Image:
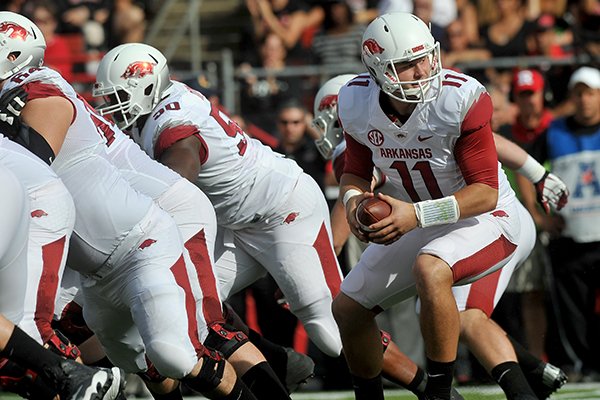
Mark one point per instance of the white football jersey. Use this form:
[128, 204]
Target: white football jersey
[106, 206]
[244, 179]
[417, 157]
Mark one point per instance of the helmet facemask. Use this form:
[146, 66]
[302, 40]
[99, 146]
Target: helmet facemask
[396, 39]
[330, 130]
[405, 91]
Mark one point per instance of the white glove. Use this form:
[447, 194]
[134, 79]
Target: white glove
[552, 193]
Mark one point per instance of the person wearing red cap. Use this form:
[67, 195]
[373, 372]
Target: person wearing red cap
[527, 285]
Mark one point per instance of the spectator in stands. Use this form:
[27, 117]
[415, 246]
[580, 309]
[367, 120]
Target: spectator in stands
[296, 139]
[459, 48]
[507, 36]
[551, 37]
[261, 96]
[364, 11]
[527, 283]
[287, 19]
[339, 41]
[87, 17]
[572, 145]
[466, 13]
[444, 11]
[58, 53]
[128, 22]
[587, 14]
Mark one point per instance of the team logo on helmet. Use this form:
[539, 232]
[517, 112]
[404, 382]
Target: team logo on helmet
[371, 47]
[13, 30]
[328, 101]
[290, 218]
[139, 69]
[375, 137]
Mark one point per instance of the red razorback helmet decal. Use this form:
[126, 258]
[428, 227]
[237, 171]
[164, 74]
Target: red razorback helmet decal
[138, 69]
[329, 101]
[14, 31]
[371, 47]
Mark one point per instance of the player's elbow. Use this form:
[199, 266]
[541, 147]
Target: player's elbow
[489, 198]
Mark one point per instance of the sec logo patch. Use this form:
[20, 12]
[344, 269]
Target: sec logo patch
[375, 137]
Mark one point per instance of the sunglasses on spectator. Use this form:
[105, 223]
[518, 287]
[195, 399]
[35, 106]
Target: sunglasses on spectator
[290, 121]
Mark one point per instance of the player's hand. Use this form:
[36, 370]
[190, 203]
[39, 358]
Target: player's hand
[552, 193]
[11, 104]
[351, 216]
[402, 220]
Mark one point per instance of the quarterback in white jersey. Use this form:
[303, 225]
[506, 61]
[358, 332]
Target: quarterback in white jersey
[471, 301]
[274, 216]
[127, 249]
[454, 218]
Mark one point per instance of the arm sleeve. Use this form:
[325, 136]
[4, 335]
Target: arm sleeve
[475, 150]
[358, 159]
[169, 135]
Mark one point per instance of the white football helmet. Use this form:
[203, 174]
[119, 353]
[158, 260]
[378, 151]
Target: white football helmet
[21, 44]
[401, 38]
[131, 78]
[326, 117]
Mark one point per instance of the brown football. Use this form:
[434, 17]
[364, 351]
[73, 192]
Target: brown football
[372, 210]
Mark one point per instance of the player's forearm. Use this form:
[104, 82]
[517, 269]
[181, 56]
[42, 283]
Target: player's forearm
[476, 199]
[353, 182]
[510, 154]
[339, 226]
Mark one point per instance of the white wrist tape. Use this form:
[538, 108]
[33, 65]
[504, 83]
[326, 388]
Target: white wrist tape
[532, 170]
[349, 194]
[437, 212]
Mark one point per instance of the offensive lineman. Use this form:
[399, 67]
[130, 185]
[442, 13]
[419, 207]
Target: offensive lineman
[128, 251]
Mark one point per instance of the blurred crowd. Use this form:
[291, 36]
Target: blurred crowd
[276, 108]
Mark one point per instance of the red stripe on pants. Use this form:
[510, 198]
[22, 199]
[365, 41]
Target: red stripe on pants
[181, 277]
[328, 261]
[211, 306]
[52, 256]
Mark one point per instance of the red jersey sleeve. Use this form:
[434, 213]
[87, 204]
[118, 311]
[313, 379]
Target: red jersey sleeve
[358, 159]
[41, 90]
[173, 134]
[475, 150]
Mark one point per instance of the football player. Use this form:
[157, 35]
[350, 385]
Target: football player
[542, 377]
[64, 376]
[272, 217]
[128, 251]
[455, 220]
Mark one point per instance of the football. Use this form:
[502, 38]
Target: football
[372, 210]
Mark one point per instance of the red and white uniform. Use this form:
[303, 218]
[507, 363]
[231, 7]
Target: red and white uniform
[191, 210]
[275, 216]
[443, 146]
[127, 249]
[51, 218]
[14, 214]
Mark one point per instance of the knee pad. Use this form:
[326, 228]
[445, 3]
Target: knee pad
[211, 373]
[225, 339]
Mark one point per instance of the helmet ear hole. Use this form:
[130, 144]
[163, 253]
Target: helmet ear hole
[14, 55]
[148, 90]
